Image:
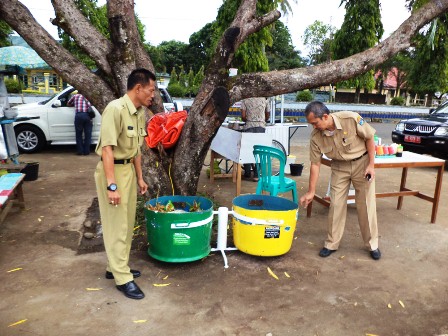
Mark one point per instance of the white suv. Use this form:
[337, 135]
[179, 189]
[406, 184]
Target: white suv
[52, 121]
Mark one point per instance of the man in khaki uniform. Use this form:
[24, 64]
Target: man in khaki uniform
[123, 129]
[347, 139]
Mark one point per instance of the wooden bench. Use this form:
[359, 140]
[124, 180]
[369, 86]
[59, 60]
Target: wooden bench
[11, 193]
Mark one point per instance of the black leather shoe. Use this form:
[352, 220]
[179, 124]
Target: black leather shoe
[135, 273]
[375, 254]
[131, 290]
[325, 252]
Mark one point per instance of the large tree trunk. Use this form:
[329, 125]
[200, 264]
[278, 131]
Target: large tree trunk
[182, 165]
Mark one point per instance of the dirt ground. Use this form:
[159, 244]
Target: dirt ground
[348, 293]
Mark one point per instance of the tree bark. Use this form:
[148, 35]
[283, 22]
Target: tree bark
[73, 22]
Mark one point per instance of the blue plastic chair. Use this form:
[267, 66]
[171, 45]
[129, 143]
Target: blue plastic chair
[264, 157]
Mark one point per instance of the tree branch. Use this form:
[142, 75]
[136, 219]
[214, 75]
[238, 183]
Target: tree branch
[245, 23]
[73, 22]
[279, 82]
[67, 66]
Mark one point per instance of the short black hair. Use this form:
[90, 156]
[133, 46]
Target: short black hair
[317, 108]
[140, 76]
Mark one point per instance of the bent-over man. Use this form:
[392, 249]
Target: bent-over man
[347, 140]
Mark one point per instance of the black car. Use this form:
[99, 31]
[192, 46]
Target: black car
[427, 135]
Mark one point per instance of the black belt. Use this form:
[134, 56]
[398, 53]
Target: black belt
[359, 157]
[124, 161]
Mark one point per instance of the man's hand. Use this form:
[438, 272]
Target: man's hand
[306, 199]
[114, 197]
[370, 170]
[142, 186]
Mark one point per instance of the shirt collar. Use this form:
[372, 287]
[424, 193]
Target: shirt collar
[337, 122]
[337, 125]
[130, 105]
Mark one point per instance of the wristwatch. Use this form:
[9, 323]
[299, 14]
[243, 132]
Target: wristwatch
[112, 187]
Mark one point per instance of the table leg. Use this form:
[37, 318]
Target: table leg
[308, 209]
[238, 178]
[19, 196]
[404, 175]
[435, 202]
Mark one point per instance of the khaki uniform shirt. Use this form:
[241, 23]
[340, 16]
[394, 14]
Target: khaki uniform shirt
[123, 127]
[255, 111]
[346, 142]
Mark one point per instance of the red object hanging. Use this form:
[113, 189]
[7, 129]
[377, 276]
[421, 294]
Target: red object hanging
[165, 128]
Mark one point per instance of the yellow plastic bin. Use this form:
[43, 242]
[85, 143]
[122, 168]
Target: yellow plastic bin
[264, 225]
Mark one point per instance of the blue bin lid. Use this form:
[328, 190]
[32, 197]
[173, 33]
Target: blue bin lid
[264, 202]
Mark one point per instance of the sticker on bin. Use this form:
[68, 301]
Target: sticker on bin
[258, 221]
[272, 232]
[181, 239]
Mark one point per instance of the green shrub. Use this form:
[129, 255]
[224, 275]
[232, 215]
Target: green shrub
[176, 90]
[397, 101]
[304, 96]
[12, 85]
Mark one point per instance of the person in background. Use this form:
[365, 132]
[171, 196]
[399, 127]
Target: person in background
[347, 140]
[123, 128]
[83, 123]
[255, 112]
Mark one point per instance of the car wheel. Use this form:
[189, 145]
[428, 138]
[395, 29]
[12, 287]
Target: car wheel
[30, 139]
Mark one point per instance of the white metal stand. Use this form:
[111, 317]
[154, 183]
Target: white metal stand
[223, 219]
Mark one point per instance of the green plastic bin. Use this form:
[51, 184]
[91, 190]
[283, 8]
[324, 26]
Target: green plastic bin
[179, 237]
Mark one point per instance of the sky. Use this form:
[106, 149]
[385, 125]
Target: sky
[177, 19]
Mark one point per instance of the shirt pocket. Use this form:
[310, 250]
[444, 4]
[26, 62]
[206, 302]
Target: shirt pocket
[141, 136]
[131, 137]
[349, 144]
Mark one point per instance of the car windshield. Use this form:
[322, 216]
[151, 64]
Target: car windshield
[43, 102]
[165, 96]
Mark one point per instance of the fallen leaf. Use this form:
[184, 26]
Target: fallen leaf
[15, 269]
[401, 303]
[161, 285]
[140, 321]
[93, 289]
[166, 277]
[311, 243]
[342, 257]
[371, 335]
[287, 275]
[272, 273]
[39, 220]
[389, 305]
[18, 322]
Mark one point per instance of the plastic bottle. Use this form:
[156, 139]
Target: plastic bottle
[393, 147]
[380, 150]
[399, 151]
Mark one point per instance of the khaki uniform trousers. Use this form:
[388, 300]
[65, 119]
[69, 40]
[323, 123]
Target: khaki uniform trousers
[342, 174]
[118, 221]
